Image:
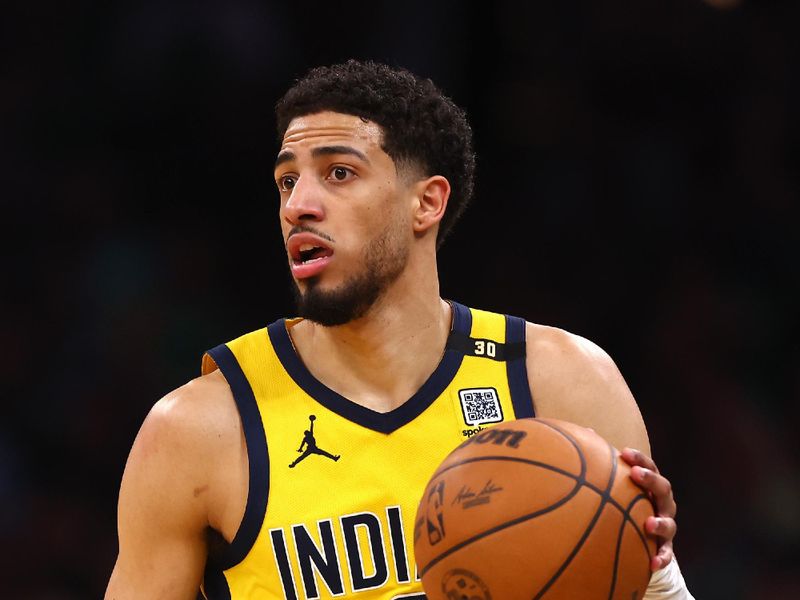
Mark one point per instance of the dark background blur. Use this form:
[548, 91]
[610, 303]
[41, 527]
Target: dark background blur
[638, 184]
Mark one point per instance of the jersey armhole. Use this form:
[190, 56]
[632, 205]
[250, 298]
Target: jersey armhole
[517, 370]
[258, 457]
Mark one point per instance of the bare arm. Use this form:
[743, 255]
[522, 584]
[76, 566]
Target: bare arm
[575, 380]
[168, 495]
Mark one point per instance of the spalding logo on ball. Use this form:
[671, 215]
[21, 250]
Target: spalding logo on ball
[533, 508]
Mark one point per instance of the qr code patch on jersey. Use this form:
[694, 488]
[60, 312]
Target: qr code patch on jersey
[480, 406]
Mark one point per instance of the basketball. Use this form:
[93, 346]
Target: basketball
[533, 508]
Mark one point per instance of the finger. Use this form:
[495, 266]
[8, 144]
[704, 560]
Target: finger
[638, 458]
[662, 558]
[664, 528]
[659, 486]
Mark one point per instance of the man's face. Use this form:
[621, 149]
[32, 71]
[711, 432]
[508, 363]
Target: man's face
[343, 218]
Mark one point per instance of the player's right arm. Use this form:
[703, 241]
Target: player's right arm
[166, 496]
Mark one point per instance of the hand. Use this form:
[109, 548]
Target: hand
[644, 473]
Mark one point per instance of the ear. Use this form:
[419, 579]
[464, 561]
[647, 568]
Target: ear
[432, 195]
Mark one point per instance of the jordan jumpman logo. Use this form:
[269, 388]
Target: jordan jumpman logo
[310, 445]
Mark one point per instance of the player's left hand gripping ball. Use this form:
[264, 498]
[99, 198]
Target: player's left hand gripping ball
[645, 473]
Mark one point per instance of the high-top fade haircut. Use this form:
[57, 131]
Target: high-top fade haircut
[422, 128]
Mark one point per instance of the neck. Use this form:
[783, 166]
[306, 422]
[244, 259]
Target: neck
[381, 359]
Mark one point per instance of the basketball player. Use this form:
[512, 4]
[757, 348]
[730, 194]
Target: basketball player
[375, 165]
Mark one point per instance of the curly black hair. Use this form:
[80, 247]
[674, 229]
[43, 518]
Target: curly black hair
[421, 126]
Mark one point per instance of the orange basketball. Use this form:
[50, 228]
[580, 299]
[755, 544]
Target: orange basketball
[533, 508]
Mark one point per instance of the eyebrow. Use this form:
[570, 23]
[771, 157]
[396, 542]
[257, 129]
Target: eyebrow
[287, 155]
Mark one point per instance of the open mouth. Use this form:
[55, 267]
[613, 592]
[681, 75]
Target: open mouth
[309, 254]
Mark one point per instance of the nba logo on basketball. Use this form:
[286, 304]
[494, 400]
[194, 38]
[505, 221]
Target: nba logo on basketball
[434, 518]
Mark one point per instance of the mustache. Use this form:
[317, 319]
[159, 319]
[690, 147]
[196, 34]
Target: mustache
[308, 229]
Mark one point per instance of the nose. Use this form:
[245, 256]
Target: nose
[304, 202]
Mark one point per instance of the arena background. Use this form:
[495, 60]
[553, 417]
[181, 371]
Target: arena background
[638, 185]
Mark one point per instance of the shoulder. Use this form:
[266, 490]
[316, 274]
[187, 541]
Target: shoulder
[196, 416]
[574, 379]
[553, 354]
[186, 447]
[173, 488]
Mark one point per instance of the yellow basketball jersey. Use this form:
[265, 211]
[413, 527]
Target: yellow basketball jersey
[334, 486]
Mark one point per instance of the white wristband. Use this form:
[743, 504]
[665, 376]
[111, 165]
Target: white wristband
[668, 584]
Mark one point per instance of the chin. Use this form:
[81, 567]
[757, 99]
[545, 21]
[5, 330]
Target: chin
[335, 305]
[340, 302]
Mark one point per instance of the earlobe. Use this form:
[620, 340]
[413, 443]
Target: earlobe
[433, 194]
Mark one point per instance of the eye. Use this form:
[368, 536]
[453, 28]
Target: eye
[286, 183]
[340, 173]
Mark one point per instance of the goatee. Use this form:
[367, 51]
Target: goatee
[384, 260]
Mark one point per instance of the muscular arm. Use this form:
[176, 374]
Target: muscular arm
[574, 380]
[168, 496]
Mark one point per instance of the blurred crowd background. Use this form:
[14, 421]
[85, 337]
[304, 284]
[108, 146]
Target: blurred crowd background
[638, 184]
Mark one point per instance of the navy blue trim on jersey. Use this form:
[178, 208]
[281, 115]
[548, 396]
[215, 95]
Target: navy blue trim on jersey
[517, 370]
[258, 457]
[381, 422]
[215, 586]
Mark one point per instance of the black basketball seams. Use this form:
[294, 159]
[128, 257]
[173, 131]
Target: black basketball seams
[500, 527]
[627, 519]
[579, 482]
[535, 463]
[627, 515]
[604, 498]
